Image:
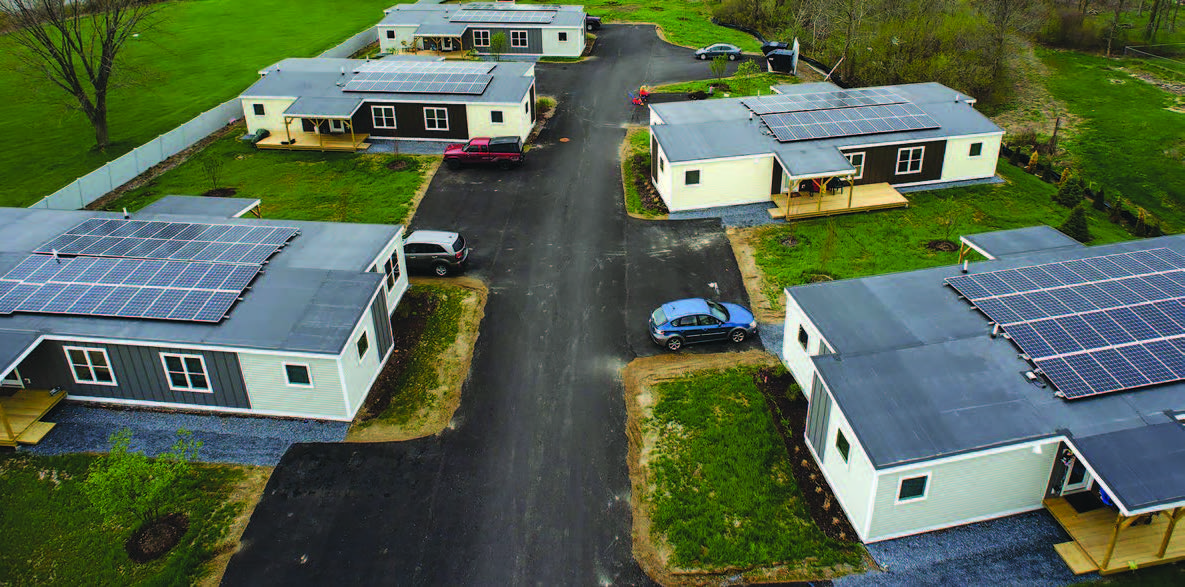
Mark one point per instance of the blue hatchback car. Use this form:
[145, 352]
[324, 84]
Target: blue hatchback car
[681, 322]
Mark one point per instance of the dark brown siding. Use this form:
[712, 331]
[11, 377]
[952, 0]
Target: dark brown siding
[140, 374]
[409, 117]
[880, 163]
[534, 39]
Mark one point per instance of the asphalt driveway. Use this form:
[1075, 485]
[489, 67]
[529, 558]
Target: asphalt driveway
[530, 485]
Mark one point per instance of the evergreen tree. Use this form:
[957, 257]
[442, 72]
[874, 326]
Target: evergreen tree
[1075, 225]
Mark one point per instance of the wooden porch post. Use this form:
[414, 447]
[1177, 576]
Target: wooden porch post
[1120, 523]
[353, 141]
[851, 190]
[7, 426]
[1168, 532]
[288, 123]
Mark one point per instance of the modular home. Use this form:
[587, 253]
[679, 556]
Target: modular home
[1048, 376]
[806, 139]
[538, 30]
[339, 104]
[187, 306]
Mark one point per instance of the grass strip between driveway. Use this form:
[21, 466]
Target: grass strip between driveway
[635, 169]
[712, 487]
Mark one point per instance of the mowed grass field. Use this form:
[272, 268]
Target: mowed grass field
[683, 22]
[202, 53]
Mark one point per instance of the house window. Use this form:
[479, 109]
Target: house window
[803, 337]
[841, 443]
[518, 39]
[363, 345]
[496, 116]
[976, 150]
[913, 488]
[435, 119]
[186, 372]
[298, 375]
[691, 177]
[661, 164]
[390, 34]
[527, 107]
[563, 37]
[384, 116]
[258, 108]
[481, 38]
[857, 161]
[90, 365]
[391, 266]
[909, 160]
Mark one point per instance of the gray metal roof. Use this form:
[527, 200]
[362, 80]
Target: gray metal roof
[918, 375]
[714, 129]
[13, 345]
[442, 29]
[319, 78]
[1003, 243]
[566, 15]
[217, 207]
[1144, 467]
[307, 298]
[327, 107]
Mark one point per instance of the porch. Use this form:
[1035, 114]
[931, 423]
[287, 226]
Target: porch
[298, 140]
[21, 413]
[825, 202]
[1107, 542]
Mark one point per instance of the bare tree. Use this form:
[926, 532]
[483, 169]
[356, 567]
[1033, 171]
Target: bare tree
[1005, 17]
[848, 17]
[1114, 25]
[75, 44]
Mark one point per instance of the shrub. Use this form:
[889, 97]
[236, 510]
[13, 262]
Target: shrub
[1075, 225]
[125, 485]
[1070, 193]
[1117, 210]
[1100, 200]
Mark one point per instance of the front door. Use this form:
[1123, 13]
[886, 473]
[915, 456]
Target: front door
[337, 126]
[446, 44]
[1077, 478]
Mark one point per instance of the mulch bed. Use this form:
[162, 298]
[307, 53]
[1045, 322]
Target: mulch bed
[790, 410]
[407, 326]
[650, 199]
[942, 245]
[157, 537]
[220, 192]
[398, 165]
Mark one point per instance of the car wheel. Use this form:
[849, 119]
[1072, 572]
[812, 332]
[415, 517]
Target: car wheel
[454, 164]
[737, 336]
[588, 26]
[702, 56]
[440, 269]
[732, 56]
[674, 343]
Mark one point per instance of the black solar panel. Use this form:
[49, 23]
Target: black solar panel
[503, 16]
[1092, 325]
[779, 103]
[182, 241]
[419, 83]
[845, 122]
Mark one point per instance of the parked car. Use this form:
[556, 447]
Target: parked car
[436, 251]
[732, 52]
[693, 320]
[505, 152]
[592, 23]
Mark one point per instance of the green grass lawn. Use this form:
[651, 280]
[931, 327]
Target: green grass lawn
[637, 143]
[298, 185]
[1127, 140]
[739, 86]
[684, 22]
[203, 53]
[725, 495]
[888, 241]
[50, 534]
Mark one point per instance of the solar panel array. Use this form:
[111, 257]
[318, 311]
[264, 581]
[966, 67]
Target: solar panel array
[1092, 325]
[419, 83]
[509, 6]
[779, 103]
[844, 122]
[504, 16]
[181, 241]
[400, 66]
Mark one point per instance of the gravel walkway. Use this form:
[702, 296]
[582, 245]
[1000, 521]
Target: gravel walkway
[771, 337]
[1017, 550]
[743, 216]
[406, 147]
[950, 184]
[225, 439]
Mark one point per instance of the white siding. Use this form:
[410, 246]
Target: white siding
[402, 34]
[722, 183]
[851, 481]
[359, 375]
[273, 114]
[554, 47]
[268, 389]
[655, 118]
[971, 489]
[958, 164]
[796, 358]
[516, 122]
[663, 183]
[401, 283]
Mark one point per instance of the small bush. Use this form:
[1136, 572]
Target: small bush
[1075, 225]
[126, 485]
[1099, 202]
[1070, 193]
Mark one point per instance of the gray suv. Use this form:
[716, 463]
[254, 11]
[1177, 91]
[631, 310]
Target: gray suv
[437, 251]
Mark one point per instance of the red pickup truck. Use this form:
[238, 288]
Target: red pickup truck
[504, 152]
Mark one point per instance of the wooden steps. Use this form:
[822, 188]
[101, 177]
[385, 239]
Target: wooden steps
[1079, 562]
[21, 413]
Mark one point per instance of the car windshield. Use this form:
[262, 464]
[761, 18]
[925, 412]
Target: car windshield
[459, 245]
[658, 317]
[718, 311]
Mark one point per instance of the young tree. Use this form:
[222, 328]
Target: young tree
[718, 66]
[128, 486]
[499, 45]
[1075, 225]
[212, 167]
[76, 46]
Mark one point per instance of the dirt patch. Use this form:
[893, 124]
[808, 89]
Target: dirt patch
[220, 192]
[942, 245]
[247, 493]
[154, 539]
[1170, 87]
[1035, 110]
[652, 553]
[452, 369]
[745, 250]
[398, 165]
[646, 191]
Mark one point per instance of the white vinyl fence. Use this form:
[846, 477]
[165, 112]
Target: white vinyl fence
[117, 172]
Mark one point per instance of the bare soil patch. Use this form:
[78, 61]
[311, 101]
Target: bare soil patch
[220, 192]
[398, 165]
[247, 493]
[1168, 86]
[942, 245]
[1035, 110]
[743, 248]
[156, 538]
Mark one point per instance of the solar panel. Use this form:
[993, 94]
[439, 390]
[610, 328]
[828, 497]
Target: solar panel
[1093, 325]
[780, 103]
[506, 6]
[163, 240]
[520, 16]
[419, 83]
[398, 66]
[845, 122]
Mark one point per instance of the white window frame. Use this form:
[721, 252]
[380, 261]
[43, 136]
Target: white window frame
[901, 481]
[905, 155]
[500, 113]
[972, 146]
[847, 459]
[562, 36]
[391, 34]
[526, 40]
[699, 177]
[362, 337]
[374, 116]
[337, 125]
[256, 107]
[86, 350]
[484, 35]
[662, 168]
[436, 119]
[391, 269]
[446, 44]
[288, 380]
[860, 167]
[205, 373]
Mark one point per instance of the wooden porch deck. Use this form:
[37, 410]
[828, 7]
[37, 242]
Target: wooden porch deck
[308, 141]
[1136, 547]
[21, 413]
[863, 198]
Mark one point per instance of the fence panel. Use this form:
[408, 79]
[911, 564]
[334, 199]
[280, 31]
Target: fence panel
[353, 44]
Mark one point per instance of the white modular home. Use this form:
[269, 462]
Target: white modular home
[534, 30]
[186, 305]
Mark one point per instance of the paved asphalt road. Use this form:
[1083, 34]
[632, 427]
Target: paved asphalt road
[530, 485]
